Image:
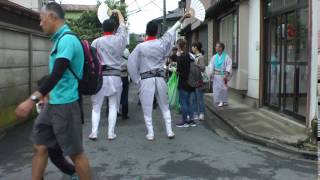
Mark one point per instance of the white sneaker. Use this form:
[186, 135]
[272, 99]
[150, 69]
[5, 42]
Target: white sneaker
[220, 104]
[195, 117]
[112, 137]
[201, 117]
[93, 137]
[171, 135]
[150, 137]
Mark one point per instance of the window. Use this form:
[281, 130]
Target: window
[229, 36]
[274, 6]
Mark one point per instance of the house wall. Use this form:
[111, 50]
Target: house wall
[254, 49]
[314, 57]
[210, 40]
[203, 38]
[30, 4]
[239, 80]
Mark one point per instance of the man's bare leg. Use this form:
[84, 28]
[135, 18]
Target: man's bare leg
[39, 161]
[81, 164]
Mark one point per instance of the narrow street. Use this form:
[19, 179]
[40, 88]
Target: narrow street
[195, 153]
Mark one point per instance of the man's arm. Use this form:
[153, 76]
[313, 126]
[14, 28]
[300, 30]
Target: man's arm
[174, 28]
[59, 68]
[122, 33]
[64, 55]
[169, 37]
[24, 109]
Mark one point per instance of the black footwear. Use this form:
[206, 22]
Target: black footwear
[192, 123]
[182, 124]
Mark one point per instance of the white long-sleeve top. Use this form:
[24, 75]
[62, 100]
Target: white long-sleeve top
[110, 48]
[151, 55]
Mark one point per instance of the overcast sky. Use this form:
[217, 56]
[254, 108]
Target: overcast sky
[150, 9]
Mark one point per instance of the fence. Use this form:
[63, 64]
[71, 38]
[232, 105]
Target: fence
[23, 61]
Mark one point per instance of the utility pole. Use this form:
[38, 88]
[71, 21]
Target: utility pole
[164, 16]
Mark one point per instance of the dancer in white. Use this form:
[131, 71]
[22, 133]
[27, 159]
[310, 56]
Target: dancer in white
[110, 49]
[145, 66]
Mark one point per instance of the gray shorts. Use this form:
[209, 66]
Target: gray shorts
[59, 124]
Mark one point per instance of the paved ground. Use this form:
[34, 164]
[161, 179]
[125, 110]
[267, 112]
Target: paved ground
[196, 153]
[259, 122]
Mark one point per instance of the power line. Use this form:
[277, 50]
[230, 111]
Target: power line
[140, 7]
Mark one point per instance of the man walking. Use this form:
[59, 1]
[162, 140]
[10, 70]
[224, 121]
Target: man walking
[59, 121]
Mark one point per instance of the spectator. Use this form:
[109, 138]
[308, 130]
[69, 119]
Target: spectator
[221, 68]
[125, 85]
[172, 62]
[198, 98]
[185, 90]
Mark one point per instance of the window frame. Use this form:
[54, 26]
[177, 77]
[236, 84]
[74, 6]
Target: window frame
[235, 35]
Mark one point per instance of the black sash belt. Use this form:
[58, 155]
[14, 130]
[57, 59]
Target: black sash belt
[109, 71]
[153, 73]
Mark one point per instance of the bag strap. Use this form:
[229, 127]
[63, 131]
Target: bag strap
[56, 49]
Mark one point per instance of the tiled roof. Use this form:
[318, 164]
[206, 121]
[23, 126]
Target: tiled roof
[175, 14]
[18, 9]
[77, 7]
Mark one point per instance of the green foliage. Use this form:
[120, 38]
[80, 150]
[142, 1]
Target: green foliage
[87, 26]
[133, 42]
[116, 4]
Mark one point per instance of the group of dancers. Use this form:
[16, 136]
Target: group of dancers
[145, 67]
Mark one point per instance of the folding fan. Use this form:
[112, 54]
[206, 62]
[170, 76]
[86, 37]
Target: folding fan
[103, 12]
[197, 10]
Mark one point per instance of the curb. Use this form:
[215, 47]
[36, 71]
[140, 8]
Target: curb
[271, 143]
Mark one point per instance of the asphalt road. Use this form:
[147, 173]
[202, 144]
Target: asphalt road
[208, 151]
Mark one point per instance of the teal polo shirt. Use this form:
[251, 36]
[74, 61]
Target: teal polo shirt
[69, 47]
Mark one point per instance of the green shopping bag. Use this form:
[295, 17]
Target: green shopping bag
[173, 92]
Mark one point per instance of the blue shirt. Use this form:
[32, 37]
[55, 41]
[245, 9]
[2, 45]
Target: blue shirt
[70, 48]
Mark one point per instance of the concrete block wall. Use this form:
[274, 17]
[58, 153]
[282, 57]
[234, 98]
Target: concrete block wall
[23, 61]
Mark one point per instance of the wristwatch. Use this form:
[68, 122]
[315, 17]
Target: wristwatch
[35, 98]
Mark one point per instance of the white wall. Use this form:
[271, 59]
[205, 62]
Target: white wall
[30, 4]
[314, 64]
[254, 49]
[239, 80]
[210, 40]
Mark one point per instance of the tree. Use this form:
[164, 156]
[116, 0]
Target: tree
[133, 42]
[87, 26]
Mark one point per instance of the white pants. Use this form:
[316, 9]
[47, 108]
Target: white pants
[97, 102]
[148, 89]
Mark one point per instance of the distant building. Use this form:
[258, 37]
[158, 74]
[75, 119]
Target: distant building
[34, 5]
[171, 18]
[273, 45]
[74, 11]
